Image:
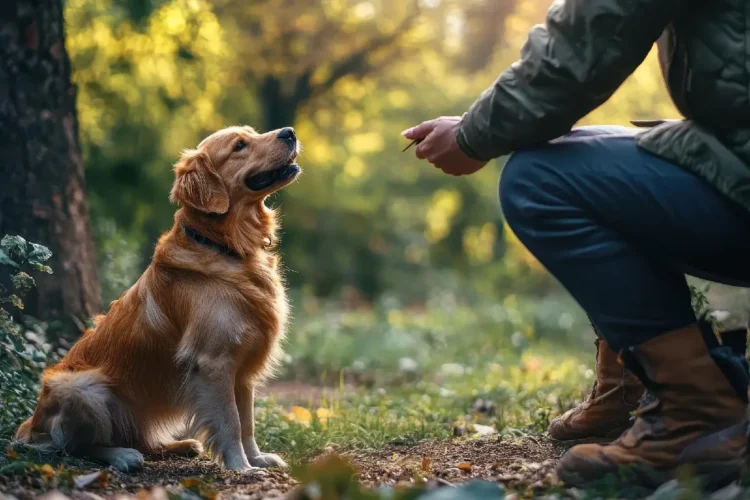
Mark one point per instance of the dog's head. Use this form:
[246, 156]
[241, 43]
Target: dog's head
[233, 167]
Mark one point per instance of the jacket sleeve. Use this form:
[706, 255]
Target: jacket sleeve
[569, 66]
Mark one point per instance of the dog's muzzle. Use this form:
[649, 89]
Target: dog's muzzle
[265, 180]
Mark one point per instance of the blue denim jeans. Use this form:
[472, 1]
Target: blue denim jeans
[620, 228]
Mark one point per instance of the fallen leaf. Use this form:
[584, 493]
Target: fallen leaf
[426, 463]
[190, 482]
[464, 466]
[12, 454]
[208, 493]
[299, 414]
[86, 480]
[47, 471]
[484, 430]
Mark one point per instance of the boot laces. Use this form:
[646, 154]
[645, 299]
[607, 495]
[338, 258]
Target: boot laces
[593, 398]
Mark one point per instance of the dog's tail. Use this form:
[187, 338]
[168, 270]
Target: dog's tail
[73, 412]
[23, 434]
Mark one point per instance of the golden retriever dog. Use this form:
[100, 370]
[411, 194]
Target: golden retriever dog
[183, 349]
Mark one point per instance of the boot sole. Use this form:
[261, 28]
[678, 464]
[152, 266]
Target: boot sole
[586, 440]
[711, 475]
[592, 439]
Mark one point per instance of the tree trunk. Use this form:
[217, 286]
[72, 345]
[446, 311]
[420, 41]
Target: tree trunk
[279, 109]
[42, 187]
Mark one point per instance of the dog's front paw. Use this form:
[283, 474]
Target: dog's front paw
[247, 470]
[125, 459]
[266, 460]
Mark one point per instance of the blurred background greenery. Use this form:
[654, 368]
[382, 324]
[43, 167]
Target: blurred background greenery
[365, 220]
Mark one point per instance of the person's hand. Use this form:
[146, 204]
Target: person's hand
[439, 146]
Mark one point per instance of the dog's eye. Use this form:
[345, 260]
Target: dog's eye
[240, 146]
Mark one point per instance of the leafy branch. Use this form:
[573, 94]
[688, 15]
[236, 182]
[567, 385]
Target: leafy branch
[21, 360]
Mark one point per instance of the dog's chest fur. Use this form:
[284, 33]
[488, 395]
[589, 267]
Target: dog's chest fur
[245, 311]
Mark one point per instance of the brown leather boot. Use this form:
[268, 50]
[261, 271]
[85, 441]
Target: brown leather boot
[605, 413]
[694, 417]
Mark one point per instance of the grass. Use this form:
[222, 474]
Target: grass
[403, 375]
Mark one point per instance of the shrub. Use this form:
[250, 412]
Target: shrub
[23, 355]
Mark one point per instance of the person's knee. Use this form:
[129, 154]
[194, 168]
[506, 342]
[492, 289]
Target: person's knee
[520, 189]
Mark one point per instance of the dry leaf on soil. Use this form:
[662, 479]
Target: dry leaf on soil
[190, 482]
[464, 466]
[100, 478]
[47, 471]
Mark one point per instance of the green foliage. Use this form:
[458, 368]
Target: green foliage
[119, 260]
[701, 306]
[445, 331]
[22, 358]
[155, 78]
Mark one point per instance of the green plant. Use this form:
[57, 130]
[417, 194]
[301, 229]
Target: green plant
[701, 306]
[22, 358]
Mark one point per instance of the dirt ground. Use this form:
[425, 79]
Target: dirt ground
[516, 463]
[528, 461]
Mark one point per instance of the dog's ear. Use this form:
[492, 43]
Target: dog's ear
[198, 185]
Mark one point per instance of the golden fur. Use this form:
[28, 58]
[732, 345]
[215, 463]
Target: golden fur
[184, 347]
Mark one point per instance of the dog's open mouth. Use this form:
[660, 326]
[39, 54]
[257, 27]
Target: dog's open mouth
[264, 180]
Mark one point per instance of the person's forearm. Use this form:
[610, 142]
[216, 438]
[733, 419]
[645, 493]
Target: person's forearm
[568, 67]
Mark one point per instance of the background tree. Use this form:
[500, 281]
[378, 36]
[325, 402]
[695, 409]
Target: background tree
[42, 187]
[155, 76]
[291, 60]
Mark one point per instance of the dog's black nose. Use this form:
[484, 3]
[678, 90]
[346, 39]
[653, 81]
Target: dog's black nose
[287, 134]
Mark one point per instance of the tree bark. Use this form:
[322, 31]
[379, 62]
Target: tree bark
[42, 185]
[279, 110]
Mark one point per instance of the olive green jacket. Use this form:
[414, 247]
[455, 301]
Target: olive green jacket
[587, 48]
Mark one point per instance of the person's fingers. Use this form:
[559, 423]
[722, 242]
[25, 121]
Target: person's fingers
[424, 149]
[420, 131]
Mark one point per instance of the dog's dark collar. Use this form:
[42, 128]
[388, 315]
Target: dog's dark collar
[199, 238]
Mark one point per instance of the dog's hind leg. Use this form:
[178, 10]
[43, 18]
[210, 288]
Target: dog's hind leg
[72, 415]
[122, 459]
